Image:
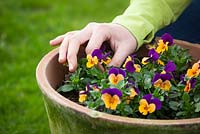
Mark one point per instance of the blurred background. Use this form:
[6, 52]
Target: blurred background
[26, 26]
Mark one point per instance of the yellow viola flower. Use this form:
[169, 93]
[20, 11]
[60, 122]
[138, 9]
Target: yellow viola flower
[91, 61]
[160, 62]
[146, 108]
[187, 87]
[116, 75]
[133, 93]
[145, 60]
[164, 85]
[111, 98]
[115, 79]
[107, 60]
[194, 71]
[162, 47]
[111, 102]
[137, 68]
[127, 60]
[82, 96]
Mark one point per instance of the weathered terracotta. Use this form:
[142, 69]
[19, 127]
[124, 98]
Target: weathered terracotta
[67, 117]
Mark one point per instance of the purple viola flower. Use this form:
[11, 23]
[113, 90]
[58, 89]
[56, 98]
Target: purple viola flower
[193, 82]
[130, 66]
[163, 77]
[117, 71]
[153, 55]
[170, 67]
[112, 92]
[167, 38]
[104, 56]
[149, 98]
[98, 53]
[166, 76]
[137, 90]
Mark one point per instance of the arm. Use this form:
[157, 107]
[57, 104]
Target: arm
[143, 18]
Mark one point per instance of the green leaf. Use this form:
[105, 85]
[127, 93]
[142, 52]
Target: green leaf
[174, 105]
[197, 106]
[181, 113]
[65, 88]
[147, 81]
[186, 97]
[196, 97]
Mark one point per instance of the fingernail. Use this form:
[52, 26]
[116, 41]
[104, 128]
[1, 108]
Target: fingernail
[70, 66]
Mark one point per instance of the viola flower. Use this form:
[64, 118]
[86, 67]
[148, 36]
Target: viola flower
[116, 75]
[94, 58]
[131, 67]
[148, 104]
[167, 38]
[96, 88]
[169, 67]
[160, 62]
[194, 71]
[189, 85]
[162, 47]
[82, 96]
[162, 81]
[129, 58]
[133, 92]
[145, 60]
[111, 98]
[153, 56]
[106, 59]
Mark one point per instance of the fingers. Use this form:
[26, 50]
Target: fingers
[60, 38]
[74, 44]
[99, 35]
[119, 57]
[57, 40]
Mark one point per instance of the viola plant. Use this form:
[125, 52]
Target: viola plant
[165, 84]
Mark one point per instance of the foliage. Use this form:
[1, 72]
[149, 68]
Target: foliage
[163, 85]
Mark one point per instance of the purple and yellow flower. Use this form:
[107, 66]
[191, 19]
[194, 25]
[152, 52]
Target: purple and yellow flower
[148, 104]
[153, 56]
[194, 71]
[131, 67]
[94, 58]
[162, 81]
[160, 62]
[162, 47]
[82, 96]
[96, 88]
[133, 92]
[167, 38]
[111, 98]
[84, 93]
[116, 75]
[189, 85]
[106, 59]
[169, 67]
[129, 58]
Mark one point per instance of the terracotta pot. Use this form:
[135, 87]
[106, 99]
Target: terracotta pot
[67, 117]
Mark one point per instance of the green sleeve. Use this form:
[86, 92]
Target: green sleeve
[143, 18]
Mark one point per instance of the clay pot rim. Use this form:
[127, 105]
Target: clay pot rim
[47, 90]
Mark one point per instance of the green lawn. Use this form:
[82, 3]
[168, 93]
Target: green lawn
[26, 26]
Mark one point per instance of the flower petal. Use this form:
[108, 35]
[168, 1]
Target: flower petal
[167, 38]
[170, 67]
[98, 53]
[130, 67]
[157, 103]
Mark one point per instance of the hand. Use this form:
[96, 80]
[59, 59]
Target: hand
[121, 41]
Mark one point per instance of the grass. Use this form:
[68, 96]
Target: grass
[26, 26]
